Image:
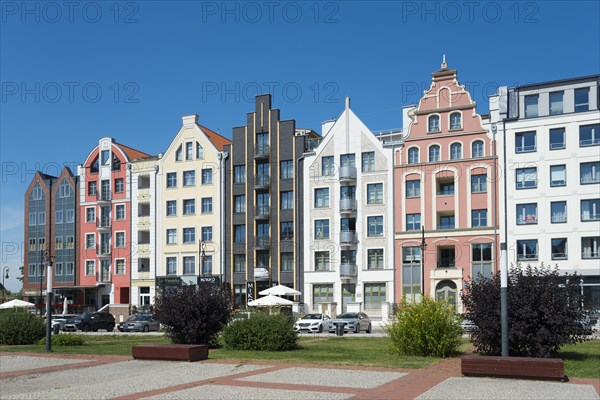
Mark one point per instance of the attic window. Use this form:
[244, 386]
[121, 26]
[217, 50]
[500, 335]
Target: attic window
[116, 163]
[179, 154]
[199, 151]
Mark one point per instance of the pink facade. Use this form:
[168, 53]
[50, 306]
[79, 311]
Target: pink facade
[445, 182]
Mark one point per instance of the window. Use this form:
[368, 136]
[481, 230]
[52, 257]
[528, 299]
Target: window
[179, 154]
[189, 206]
[239, 263]
[207, 176]
[239, 233]
[286, 170]
[70, 268]
[189, 265]
[531, 106]
[582, 99]
[525, 142]
[90, 214]
[37, 193]
[481, 255]
[171, 265]
[589, 135]
[527, 214]
[413, 155]
[413, 222]
[478, 218]
[92, 188]
[32, 244]
[70, 216]
[327, 166]
[239, 174]
[287, 200]
[477, 149]
[411, 272]
[368, 161]
[58, 269]
[41, 218]
[590, 210]
[189, 235]
[433, 123]
[119, 185]
[413, 188]
[375, 294]
[455, 151]
[189, 178]
[287, 262]
[589, 172]
[90, 267]
[558, 175]
[171, 180]
[105, 157]
[171, 207]
[207, 234]
[189, 151]
[64, 189]
[558, 212]
[434, 153]
[590, 247]
[557, 139]
[120, 212]
[375, 226]
[446, 222]
[321, 229]
[58, 243]
[321, 197]
[375, 193]
[239, 205]
[527, 250]
[375, 259]
[445, 187]
[171, 236]
[58, 217]
[207, 265]
[119, 239]
[207, 205]
[556, 102]
[119, 266]
[287, 230]
[32, 219]
[446, 257]
[526, 178]
[347, 160]
[559, 248]
[322, 294]
[455, 121]
[239, 295]
[199, 151]
[90, 240]
[321, 261]
[70, 242]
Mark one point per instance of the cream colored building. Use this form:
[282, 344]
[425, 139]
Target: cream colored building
[189, 184]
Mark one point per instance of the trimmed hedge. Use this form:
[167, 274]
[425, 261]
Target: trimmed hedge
[20, 327]
[260, 332]
[64, 340]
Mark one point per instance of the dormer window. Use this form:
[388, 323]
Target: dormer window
[179, 154]
[455, 121]
[434, 123]
[116, 163]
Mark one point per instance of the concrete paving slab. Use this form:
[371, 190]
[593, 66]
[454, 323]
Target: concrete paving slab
[22, 363]
[327, 377]
[211, 392]
[500, 389]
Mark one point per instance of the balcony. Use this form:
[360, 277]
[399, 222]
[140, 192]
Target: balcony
[348, 270]
[103, 277]
[261, 151]
[103, 251]
[103, 196]
[347, 238]
[144, 195]
[347, 205]
[263, 243]
[103, 223]
[263, 181]
[347, 173]
[262, 212]
[446, 264]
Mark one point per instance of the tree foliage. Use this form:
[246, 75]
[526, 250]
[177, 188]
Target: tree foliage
[20, 327]
[545, 311]
[261, 332]
[193, 314]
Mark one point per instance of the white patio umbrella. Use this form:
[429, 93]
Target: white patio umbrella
[270, 300]
[280, 290]
[15, 303]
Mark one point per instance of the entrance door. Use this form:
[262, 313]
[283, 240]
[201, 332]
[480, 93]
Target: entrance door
[348, 295]
[446, 290]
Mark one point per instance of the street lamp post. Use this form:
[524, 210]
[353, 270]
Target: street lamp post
[4, 275]
[49, 261]
[423, 246]
[202, 254]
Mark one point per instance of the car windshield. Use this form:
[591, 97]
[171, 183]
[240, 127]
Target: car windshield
[312, 316]
[348, 316]
[86, 315]
[140, 318]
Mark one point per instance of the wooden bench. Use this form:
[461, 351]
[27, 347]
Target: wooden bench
[514, 367]
[174, 352]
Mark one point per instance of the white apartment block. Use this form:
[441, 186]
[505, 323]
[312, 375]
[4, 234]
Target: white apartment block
[549, 135]
[348, 223]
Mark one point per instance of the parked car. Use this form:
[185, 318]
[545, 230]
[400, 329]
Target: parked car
[91, 322]
[352, 321]
[59, 321]
[139, 323]
[311, 323]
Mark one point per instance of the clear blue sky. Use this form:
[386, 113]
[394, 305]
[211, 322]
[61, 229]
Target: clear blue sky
[72, 73]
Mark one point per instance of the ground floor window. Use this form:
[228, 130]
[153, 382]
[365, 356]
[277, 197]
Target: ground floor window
[374, 294]
[322, 294]
[239, 295]
[144, 296]
[591, 292]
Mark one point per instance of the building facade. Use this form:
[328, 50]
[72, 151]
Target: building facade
[550, 133]
[446, 219]
[348, 224]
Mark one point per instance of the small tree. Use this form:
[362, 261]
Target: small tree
[545, 311]
[193, 314]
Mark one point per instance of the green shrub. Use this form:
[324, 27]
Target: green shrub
[429, 328]
[20, 327]
[260, 332]
[64, 340]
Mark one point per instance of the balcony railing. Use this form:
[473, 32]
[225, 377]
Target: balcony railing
[347, 172]
[348, 237]
[103, 277]
[103, 196]
[348, 269]
[261, 151]
[262, 212]
[262, 181]
[526, 220]
[103, 222]
[263, 242]
[526, 257]
[595, 178]
[311, 144]
[347, 205]
[446, 264]
[590, 216]
[559, 256]
[103, 250]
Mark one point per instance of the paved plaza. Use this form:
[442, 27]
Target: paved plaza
[51, 376]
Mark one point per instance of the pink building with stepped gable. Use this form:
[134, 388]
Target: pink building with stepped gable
[445, 193]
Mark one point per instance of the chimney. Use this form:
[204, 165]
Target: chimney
[189, 120]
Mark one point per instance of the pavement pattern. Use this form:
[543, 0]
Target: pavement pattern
[53, 376]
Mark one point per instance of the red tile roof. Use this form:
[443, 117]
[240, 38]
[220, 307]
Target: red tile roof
[216, 139]
[132, 153]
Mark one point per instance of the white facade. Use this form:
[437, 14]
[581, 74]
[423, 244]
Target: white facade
[348, 224]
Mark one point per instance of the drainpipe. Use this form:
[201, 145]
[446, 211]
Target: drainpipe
[129, 183]
[155, 202]
[300, 264]
[222, 156]
[504, 261]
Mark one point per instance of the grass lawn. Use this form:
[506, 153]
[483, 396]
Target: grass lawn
[582, 360]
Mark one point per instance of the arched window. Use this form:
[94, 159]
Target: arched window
[455, 151]
[434, 123]
[455, 121]
[477, 149]
[413, 155]
[434, 153]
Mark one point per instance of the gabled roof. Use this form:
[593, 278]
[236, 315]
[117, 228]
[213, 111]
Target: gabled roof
[216, 139]
[132, 153]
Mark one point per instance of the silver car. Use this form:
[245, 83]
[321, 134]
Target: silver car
[139, 323]
[352, 321]
[311, 323]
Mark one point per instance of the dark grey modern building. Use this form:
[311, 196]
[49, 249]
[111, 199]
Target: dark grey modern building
[263, 193]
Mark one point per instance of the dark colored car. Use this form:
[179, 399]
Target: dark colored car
[139, 323]
[91, 322]
[352, 321]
